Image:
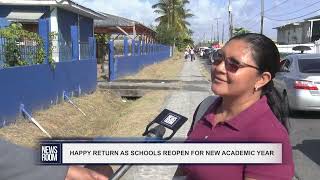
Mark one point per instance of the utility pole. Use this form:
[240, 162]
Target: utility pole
[217, 28]
[222, 33]
[211, 32]
[230, 20]
[262, 14]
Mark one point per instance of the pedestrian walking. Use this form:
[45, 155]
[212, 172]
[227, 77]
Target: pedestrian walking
[192, 56]
[186, 54]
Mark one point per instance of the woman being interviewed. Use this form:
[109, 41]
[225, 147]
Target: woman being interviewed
[248, 109]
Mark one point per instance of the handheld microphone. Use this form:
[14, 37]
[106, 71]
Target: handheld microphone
[166, 118]
[155, 133]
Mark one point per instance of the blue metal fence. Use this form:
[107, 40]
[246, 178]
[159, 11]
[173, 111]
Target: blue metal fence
[26, 50]
[39, 86]
[134, 56]
[65, 49]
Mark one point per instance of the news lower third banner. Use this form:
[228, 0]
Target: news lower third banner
[60, 153]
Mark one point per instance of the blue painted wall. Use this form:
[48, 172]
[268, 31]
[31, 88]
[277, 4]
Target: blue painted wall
[66, 19]
[39, 86]
[86, 28]
[126, 65]
[133, 64]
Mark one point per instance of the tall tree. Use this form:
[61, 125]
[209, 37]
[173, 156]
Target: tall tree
[173, 16]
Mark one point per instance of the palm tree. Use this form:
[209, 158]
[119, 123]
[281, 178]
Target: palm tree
[173, 14]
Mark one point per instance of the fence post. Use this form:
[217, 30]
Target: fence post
[153, 48]
[139, 46]
[75, 43]
[112, 73]
[143, 47]
[125, 46]
[92, 48]
[4, 23]
[133, 44]
[44, 34]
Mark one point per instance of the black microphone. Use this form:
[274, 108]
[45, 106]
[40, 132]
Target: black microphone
[166, 119]
[153, 134]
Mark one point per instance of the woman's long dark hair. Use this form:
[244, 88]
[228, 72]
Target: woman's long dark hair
[266, 55]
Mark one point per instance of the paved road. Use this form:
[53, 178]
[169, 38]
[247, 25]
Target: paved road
[305, 139]
[184, 102]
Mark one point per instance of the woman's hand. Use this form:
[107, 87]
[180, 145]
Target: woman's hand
[80, 173]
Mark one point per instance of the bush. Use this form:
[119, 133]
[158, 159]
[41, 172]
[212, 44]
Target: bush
[21, 47]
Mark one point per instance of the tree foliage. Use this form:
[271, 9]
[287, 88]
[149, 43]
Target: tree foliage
[17, 43]
[239, 31]
[173, 26]
[14, 37]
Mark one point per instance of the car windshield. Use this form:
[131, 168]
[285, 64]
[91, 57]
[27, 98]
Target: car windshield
[309, 65]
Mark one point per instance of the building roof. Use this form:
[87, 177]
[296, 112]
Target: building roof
[313, 18]
[290, 24]
[64, 4]
[113, 21]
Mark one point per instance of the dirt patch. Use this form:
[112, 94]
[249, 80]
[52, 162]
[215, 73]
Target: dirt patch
[204, 71]
[165, 70]
[107, 115]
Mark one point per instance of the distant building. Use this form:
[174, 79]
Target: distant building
[303, 32]
[117, 26]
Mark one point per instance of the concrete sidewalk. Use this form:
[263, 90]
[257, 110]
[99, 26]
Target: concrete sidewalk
[184, 102]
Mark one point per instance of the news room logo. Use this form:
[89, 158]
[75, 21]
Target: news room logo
[171, 120]
[50, 153]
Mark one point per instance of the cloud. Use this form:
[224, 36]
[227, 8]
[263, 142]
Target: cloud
[133, 9]
[246, 13]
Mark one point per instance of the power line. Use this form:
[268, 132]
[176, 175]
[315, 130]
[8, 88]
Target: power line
[244, 5]
[292, 18]
[292, 12]
[254, 24]
[276, 6]
[251, 19]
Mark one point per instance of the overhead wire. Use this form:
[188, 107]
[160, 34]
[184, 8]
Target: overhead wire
[275, 6]
[292, 12]
[249, 21]
[292, 18]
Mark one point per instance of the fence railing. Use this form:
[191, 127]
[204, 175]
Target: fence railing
[136, 48]
[39, 86]
[24, 50]
[128, 57]
[27, 51]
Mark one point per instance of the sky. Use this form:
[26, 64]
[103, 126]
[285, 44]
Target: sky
[246, 13]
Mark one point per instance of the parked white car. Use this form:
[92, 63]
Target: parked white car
[299, 81]
[201, 51]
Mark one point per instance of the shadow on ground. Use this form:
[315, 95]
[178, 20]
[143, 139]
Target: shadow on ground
[310, 148]
[305, 115]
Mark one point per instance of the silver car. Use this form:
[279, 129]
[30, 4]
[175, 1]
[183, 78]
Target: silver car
[299, 81]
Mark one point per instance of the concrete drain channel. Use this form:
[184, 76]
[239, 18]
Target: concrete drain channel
[134, 89]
